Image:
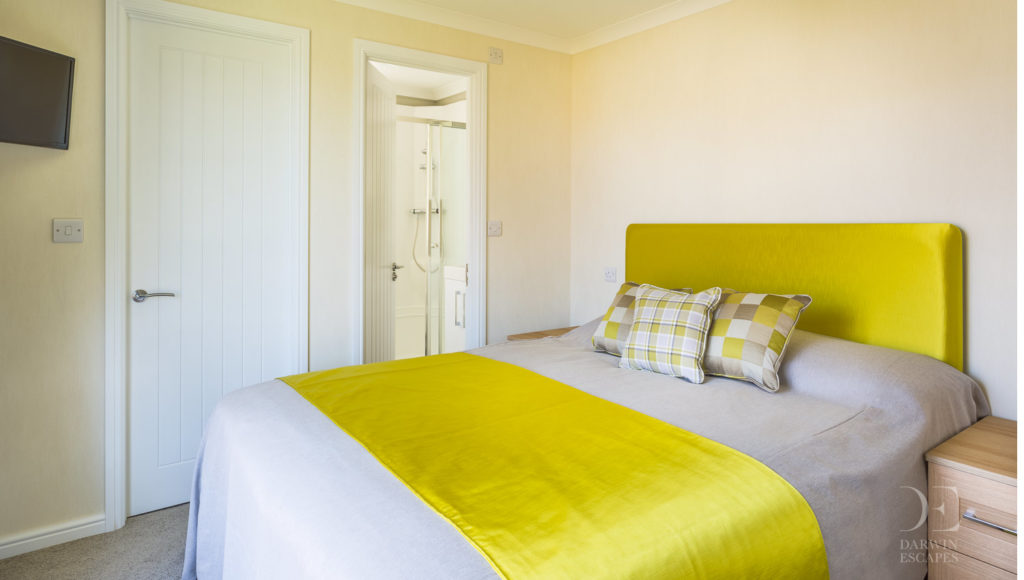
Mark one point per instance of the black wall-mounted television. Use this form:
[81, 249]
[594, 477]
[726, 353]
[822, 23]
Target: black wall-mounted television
[35, 95]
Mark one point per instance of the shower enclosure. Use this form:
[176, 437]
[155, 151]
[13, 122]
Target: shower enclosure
[431, 234]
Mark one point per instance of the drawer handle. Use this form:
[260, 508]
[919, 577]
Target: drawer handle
[969, 515]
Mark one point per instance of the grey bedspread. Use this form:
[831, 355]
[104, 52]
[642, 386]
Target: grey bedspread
[280, 491]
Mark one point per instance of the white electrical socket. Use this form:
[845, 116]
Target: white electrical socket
[611, 274]
[494, 228]
[495, 55]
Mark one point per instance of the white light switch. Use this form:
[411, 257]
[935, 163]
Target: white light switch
[68, 231]
[494, 228]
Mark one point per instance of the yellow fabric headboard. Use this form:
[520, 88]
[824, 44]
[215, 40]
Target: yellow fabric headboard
[893, 285]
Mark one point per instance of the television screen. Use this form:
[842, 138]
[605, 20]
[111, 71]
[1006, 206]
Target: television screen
[35, 95]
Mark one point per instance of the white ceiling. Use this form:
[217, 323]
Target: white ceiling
[569, 26]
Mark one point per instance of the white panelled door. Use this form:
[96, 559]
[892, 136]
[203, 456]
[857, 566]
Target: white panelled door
[216, 218]
[379, 261]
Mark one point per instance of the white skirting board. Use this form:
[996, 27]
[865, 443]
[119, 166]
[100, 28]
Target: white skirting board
[52, 535]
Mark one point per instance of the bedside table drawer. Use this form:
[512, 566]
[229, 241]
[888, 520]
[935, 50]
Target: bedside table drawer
[949, 565]
[951, 495]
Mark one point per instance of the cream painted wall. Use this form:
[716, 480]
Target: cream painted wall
[51, 296]
[809, 111]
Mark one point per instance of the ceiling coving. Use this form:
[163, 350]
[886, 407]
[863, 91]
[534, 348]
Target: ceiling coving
[568, 26]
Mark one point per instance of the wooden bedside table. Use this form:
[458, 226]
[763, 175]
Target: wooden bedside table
[540, 333]
[972, 499]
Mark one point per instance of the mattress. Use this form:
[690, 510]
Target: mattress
[280, 491]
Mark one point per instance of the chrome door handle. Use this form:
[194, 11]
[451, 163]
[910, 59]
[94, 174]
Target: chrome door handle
[969, 515]
[141, 295]
[394, 270]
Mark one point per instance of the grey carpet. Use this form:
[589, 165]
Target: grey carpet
[148, 546]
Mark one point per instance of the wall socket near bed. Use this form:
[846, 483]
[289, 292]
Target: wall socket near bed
[611, 274]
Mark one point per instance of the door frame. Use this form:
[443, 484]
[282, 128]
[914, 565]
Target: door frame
[118, 15]
[476, 73]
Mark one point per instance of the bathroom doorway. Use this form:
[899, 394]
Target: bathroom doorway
[429, 203]
[423, 229]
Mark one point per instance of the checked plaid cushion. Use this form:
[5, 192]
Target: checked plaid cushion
[613, 331]
[669, 332]
[749, 335]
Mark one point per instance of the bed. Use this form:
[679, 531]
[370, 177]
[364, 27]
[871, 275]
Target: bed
[281, 491]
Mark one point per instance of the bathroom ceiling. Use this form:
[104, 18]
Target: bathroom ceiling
[564, 25]
[425, 84]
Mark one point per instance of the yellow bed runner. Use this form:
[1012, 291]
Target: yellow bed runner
[547, 481]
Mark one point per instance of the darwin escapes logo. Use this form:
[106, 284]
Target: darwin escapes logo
[917, 551]
[941, 508]
[914, 551]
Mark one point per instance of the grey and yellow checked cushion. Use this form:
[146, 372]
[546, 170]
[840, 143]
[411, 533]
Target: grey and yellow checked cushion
[670, 330]
[613, 331]
[749, 335]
